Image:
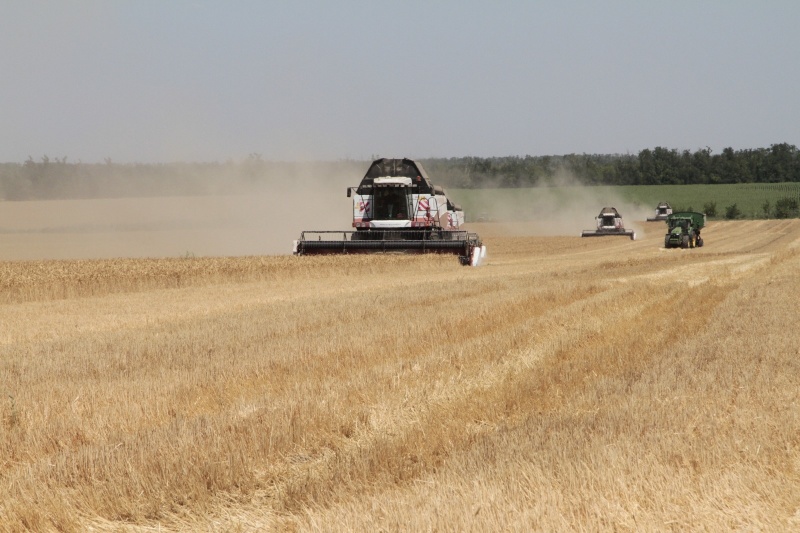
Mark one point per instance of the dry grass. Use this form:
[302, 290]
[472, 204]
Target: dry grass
[570, 384]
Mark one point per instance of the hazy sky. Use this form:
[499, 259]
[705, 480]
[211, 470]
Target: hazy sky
[170, 80]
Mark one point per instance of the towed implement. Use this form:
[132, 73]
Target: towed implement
[683, 230]
[396, 209]
[609, 222]
[663, 210]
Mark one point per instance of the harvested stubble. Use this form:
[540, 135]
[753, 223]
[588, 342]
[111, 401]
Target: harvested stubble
[27, 281]
[566, 385]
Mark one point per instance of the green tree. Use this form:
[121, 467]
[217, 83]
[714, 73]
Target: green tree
[786, 208]
[732, 212]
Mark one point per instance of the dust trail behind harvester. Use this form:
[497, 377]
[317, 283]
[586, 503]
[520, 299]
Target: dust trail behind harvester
[257, 217]
[263, 215]
[562, 207]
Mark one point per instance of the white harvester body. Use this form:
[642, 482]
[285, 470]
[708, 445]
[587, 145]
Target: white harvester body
[609, 223]
[396, 209]
[663, 211]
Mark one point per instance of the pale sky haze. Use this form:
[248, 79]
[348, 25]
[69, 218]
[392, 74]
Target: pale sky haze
[158, 81]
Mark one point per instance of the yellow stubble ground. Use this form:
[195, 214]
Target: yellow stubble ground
[567, 384]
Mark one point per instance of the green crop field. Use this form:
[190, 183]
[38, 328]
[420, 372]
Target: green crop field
[638, 200]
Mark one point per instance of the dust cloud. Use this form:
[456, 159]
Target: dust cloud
[262, 218]
[561, 207]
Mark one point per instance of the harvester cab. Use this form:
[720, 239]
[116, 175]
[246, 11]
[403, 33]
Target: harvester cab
[609, 222]
[392, 200]
[683, 230]
[663, 210]
[397, 209]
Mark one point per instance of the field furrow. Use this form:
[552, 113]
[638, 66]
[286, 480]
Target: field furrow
[566, 384]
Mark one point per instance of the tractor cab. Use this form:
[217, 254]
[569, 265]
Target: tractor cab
[683, 230]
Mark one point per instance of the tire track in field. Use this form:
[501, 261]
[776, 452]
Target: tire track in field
[750, 236]
[652, 317]
[455, 407]
[539, 370]
[501, 374]
[568, 403]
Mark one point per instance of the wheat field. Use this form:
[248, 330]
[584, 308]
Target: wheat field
[568, 385]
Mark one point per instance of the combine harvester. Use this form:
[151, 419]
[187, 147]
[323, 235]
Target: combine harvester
[609, 222]
[663, 210]
[683, 230]
[396, 209]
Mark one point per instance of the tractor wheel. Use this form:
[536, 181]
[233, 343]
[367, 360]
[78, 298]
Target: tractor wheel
[684, 241]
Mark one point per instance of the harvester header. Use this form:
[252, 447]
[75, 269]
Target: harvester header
[396, 208]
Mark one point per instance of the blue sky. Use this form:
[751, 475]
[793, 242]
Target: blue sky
[158, 81]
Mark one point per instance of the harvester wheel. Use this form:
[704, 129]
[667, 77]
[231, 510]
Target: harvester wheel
[699, 242]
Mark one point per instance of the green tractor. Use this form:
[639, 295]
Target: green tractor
[684, 230]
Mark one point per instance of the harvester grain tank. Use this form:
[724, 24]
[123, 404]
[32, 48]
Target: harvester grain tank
[663, 210]
[609, 223]
[397, 209]
[683, 230]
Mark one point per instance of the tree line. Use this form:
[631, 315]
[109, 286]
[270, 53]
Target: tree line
[58, 178]
[659, 166]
